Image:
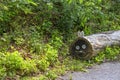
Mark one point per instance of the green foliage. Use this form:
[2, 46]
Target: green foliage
[110, 53]
[2, 72]
[34, 41]
[76, 65]
[43, 64]
[46, 27]
[51, 54]
[100, 57]
[13, 63]
[42, 77]
[48, 58]
[5, 42]
[51, 75]
[56, 39]
[29, 67]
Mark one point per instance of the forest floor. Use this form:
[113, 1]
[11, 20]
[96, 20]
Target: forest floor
[104, 71]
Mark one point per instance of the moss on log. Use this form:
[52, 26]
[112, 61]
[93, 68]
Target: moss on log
[88, 46]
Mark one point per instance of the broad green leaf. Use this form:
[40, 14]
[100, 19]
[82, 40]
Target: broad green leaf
[81, 1]
[69, 1]
[2, 6]
[33, 3]
[99, 1]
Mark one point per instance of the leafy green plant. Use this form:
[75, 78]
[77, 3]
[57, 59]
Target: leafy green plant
[35, 40]
[100, 57]
[43, 77]
[5, 41]
[51, 54]
[51, 75]
[43, 64]
[19, 40]
[29, 67]
[13, 63]
[2, 73]
[76, 65]
[110, 53]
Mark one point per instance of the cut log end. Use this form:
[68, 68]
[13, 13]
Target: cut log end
[81, 48]
[88, 46]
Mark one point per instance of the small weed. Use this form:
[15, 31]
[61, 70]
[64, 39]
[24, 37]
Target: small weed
[110, 53]
[51, 75]
[42, 64]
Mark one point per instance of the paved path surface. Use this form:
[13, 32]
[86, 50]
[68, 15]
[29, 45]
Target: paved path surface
[105, 71]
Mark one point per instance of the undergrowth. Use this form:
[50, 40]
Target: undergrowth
[35, 35]
[109, 54]
[13, 65]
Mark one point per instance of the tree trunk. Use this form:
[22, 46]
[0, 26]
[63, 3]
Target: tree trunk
[88, 46]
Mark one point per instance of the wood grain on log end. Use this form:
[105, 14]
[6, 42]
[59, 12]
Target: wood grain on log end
[81, 48]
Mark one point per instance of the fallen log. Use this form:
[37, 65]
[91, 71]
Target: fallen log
[87, 46]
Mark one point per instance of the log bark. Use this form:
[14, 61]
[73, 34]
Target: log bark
[88, 46]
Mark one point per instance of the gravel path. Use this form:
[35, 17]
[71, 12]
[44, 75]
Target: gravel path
[105, 71]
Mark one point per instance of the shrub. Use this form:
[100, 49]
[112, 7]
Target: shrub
[51, 75]
[13, 63]
[43, 64]
[2, 72]
[110, 53]
[51, 54]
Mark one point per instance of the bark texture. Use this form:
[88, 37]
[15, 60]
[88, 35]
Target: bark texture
[88, 46]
